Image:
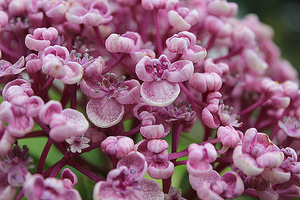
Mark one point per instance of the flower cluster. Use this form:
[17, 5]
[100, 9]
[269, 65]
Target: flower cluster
[131, 79]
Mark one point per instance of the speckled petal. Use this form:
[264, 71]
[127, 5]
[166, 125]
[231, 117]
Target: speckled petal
[160, 93]
[74, 72]
[104, 113]
[148, 190]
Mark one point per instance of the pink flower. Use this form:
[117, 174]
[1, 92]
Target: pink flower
[156, 154]
[185, 43]
[222, 8]
[97, 14]
[36, 187]
[153, 4]
[15, 165]
[125, 43]
[200, 158]
[127, 181]
[63, 123]
[19, 109]
[77, 143]
[6, 68]
[290, 127]
[203, 82]
[256, 153]
[182, 18]
[41, 38]
[229, 136]
[109, 96]
[55, 62]
[160, 87]
[117, 146]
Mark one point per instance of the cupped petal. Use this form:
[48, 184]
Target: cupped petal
[17, 82]
[118, 44]
[235, 185]
[209, 177]
[205, 193]
[180, 71]
[147, 190]
[34, 105]
[159, 93]
[276, 176]
[6, 113]
[140, 69]
[48, 110]
[33, 186]
[161, 170]
[177, 21]
[104, 191]
[72, 194]
[76, 119]
[74, 72]
[62, 132]
[75, 14]
[104, 113]
[195, 53]
[20, 126]
[89, 86]
[270, 159]
[131, 94]
[136, 164]
[6, 142]
[35, 44]
[198, 168]
[70, 176]
[246, 162]
[153, 131]
[209, 119]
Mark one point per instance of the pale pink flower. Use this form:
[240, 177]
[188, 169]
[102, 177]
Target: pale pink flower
[41, 38]
[127, 181]
[160, 87]
[6, 68]
[77, 143]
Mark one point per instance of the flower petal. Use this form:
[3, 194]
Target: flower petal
[74, 72]
[104, 113]
[159, 93]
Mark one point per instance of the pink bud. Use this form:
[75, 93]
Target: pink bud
[217, 27]
[153, 131]
[228, 136]
[33, 63]
[203, 82]
[116, 43]
[222, 8]
[118, 146]
[157, 146]
[161, 170]
[52, 66]
[3, 19]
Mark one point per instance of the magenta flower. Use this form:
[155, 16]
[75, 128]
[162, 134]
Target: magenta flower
[19, 108]
[229, 136]
[55, 62]
[15, 165]
[200, 158]
[63, 123]
[127, 181]
[160, 87]
[210, 185]
[77, 143]
[290, 126]
[41, 38]
[156, 155]
[97, 14]
[256, 153]
[185, 43]
[6, 68]
[182, 18]
[36, 187]
[109, 97]
[118, 146]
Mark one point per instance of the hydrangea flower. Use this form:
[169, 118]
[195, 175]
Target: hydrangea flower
[160, 86]
[127, 181]
[77, 143]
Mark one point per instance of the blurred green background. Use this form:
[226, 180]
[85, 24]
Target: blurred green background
[284, 17]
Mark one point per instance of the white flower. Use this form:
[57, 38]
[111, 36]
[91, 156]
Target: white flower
[78, 143]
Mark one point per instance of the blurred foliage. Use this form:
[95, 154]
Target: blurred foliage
[283, 16]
